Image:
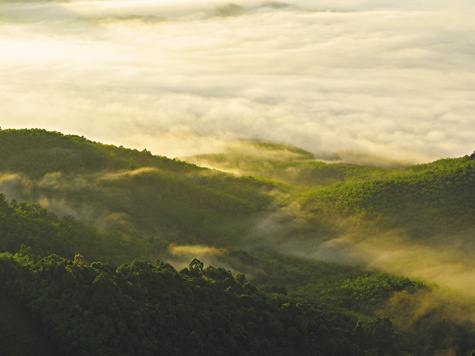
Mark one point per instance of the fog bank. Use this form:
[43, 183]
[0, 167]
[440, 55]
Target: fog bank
[394, 79]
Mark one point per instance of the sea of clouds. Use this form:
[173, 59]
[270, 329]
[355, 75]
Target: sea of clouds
[386, 78]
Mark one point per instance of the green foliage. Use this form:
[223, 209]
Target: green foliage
[153, 310]
[427, 199]
[44, 233]
[370, 290]
[352, 293]
[285, 305]
[22, 150]
[128, 190]
[136, 192]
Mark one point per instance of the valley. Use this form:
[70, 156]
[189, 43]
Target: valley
[336, 257]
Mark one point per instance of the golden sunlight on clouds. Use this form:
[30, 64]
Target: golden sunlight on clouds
[392, 79]
[194, 250]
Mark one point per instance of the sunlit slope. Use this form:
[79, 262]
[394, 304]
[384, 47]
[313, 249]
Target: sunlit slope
[423, 200]
[287, 163]
[36, 152]
[125, 189]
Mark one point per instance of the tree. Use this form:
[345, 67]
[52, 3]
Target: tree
[196, 265]
[79, 260]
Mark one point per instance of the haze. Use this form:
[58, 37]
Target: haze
[387, 78]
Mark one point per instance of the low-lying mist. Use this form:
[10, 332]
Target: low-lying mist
[51, 192]
[178, 77]
[444, 263]
[447, 264]
[445, 260]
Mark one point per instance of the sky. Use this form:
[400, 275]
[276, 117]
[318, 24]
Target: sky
[391, 79]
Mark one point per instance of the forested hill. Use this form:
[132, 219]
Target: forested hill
[165, 201]
[426, 199]
[37, 152]
[126, 189]
[300, 306]
[66, 202]
[298, 167]
[129, 190]
[288, 163]
[145, 309]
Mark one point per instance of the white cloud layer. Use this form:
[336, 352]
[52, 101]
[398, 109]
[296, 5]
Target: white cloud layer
[391, 78]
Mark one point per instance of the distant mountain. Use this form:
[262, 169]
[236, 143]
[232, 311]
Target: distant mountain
[286, 163]
[425, 199]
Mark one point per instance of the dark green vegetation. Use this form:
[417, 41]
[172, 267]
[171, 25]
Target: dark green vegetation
[150, 309]
[114, 205]
[44, 233]
[20, 334]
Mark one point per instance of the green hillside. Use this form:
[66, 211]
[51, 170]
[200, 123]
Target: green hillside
[152, 309]
[124, 189]
[149, 309]
[64, 197]
[141, 194]
[37, 152]
[286, 163]
[425, 200]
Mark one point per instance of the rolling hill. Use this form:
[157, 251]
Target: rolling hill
[271, 222]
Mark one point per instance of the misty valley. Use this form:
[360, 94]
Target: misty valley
[205, 177]
[260, 249]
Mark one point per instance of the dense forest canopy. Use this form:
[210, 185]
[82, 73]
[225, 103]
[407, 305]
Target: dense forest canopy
[87, 232]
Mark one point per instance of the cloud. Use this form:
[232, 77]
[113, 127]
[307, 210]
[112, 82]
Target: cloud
[372, 77]
[443, 259]
[447, 263]
[194, 250]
